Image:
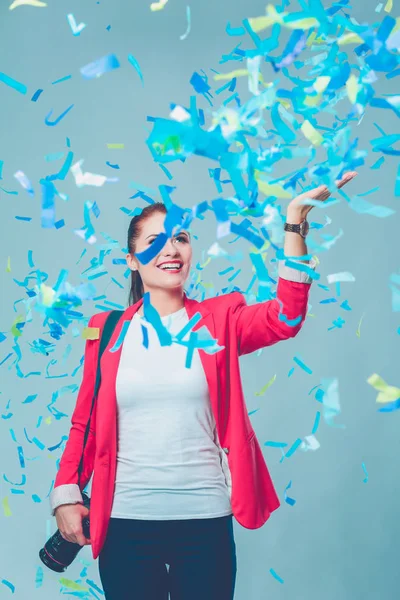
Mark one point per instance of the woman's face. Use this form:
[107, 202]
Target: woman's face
[177, 248]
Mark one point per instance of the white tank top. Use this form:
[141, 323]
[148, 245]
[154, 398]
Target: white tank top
[169, 461]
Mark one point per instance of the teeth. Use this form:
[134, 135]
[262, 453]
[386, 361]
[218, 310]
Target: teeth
[171, 266]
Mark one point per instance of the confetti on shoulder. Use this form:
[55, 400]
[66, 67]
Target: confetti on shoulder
[91, 333]
[17, 3]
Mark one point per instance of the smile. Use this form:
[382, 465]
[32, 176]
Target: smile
[171, 267]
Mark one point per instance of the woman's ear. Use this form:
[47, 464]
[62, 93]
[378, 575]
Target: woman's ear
[131, 262]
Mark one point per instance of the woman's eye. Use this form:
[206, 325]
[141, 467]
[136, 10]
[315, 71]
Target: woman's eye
[178, 237]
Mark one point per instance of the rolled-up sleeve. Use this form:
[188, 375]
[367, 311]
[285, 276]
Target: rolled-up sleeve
[295, 273]
[266, 323]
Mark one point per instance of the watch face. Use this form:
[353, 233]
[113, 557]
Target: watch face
[305, 228]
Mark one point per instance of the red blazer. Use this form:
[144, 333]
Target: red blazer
[241, 329]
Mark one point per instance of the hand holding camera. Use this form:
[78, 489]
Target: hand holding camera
[69, 519]
[72, 534]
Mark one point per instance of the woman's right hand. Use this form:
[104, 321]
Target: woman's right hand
[69, 522]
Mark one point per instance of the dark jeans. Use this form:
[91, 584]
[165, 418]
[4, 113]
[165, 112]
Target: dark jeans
[201, 554]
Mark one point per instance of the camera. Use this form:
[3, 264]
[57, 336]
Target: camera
[58, 553]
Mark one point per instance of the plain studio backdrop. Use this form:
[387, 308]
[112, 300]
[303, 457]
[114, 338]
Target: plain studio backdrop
[339, 539]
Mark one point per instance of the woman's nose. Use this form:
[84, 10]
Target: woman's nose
[169, 247]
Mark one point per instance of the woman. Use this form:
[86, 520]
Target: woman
[172, 448]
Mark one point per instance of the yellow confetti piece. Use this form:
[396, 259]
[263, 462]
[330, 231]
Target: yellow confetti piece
[260, 23]
[158, 5]
[47, 294]
[271, 189]
[314, 40]
[358, 332]
[115, 146]
[349, 38]
[206, 263]
[387, 393]
[17, 3]
[321, 83]
[14, 330]
[352, 88]
[266, 386]
[231, 74]
[6, 508]
[91, 333]
[311, 134]
[389, 6]
[312, 100]
[72, 585]
[8, 267]
[48, 420]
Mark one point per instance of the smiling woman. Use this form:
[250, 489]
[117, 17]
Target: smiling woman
[172, 448]
[165, 275]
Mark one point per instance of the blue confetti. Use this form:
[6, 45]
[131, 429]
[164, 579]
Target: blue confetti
[136, 66]
[97, 68]
[274, 574]
[13, 83]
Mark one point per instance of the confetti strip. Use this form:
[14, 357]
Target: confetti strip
[289, 500]
[72, 585]
[36, 95]
[311, 134]
[136, 66]
[58, 119]
[387, 393]
[366, 473]
[24, 181]
[155, 6]
[99, 67]
[91, 333]
[13, 83]
[76, 29]
[6, 507]
[36, 3]
[9, 585]
[266, 386]
[276, 576]
[188, 18]
[66, 78]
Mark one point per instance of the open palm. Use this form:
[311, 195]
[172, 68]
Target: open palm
[321, 193]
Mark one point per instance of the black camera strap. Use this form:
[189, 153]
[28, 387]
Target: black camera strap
[108, 329]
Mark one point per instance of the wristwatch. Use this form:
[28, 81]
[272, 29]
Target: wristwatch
[301, 228]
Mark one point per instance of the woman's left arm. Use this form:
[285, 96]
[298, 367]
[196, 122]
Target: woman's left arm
[266, 323]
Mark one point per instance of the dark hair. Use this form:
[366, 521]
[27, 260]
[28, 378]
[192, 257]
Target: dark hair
[136, 292]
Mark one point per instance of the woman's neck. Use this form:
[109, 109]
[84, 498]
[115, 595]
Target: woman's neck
[165, 304]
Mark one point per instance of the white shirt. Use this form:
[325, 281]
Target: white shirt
[169, 461]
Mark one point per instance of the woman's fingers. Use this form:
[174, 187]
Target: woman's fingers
[346, 178]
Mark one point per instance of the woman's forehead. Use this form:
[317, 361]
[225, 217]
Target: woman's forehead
[154, 224]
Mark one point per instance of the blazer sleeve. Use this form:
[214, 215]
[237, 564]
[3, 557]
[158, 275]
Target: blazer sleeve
[66, 489]
[265, 323]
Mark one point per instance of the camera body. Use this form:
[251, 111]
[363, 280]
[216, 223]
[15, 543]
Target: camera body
[57, 553]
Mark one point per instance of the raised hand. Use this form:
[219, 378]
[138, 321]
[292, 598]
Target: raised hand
[299, 211]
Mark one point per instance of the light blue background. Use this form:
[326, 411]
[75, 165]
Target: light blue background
[340, 540]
